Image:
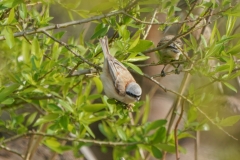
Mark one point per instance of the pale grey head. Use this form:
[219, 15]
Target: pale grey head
[134, 90]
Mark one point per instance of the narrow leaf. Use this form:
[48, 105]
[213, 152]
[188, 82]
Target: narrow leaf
[134, 67]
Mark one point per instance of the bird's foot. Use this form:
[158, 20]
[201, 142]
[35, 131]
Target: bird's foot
[177, 71]
[163, 74]
[130, 107]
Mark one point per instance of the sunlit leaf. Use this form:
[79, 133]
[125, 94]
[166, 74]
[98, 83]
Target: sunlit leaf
[230, 86]
[93, 107]
[142, 46]
[154, 125]
[134, 67]
[66, 105]
[31, 118]
[229, 121]
[98, 84]
[121, 133]
[4, 92]
[64, 120]
[138, 58]
[8, 34]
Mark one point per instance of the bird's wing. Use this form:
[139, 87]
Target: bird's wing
[120, 75]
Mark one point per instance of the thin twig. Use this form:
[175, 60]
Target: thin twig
[67, 24]
[95, 142]
[131, 4]
[182, 88]
[69, 49]
[176, 131]
[163, 63]
[63, 25]
[36, 140]
[196, 147]
[150, 26]
[132, 123]
[82, 72]
[191, 9]
[12, 151]
[32, 4]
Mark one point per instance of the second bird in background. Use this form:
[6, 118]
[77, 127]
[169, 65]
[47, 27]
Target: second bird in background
[171, 52]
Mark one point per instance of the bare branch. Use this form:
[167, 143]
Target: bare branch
[12, 151]
[69, 49]
[176, 131]
[96, 142]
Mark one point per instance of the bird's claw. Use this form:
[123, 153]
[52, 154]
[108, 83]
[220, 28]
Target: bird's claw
[130, 107]
[177, 71]
[163, 74]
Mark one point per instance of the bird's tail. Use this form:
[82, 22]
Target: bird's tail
[104, 43]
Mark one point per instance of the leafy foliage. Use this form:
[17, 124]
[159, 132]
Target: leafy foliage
[50, 83]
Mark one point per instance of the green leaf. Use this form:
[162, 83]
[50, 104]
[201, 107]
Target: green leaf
[106, 131]
[233, 11]
[222, 68]
[138, 58]
[54, 108]
[66, 105]
[154, 125]
[229, 121]
[110, 105]
[25, 51]
[35, 47]
[134, 67]
[104, 6]
[11, 3]
[230, 86]
[53, 144]
[100, 33]
[185, 135]
[123, 32]
[8, 101]
[234, 50]
[166, 147]
[142, 46]
[31, 118]
[231, 64]
[47, 118]
[5, 92]
[121, 133]
[192, 114]
[94, 107]
[8, 34]
[64, 120]
[156, 152]
[98, 84]
[158, 136]
[23, 11]
[230, 24]
[11, 16]
[89, 130]
[94, 96]
[135, 42]
[146, 110]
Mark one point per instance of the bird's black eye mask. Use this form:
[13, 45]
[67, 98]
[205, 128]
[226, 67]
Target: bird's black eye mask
[173, 47]
[133, 95]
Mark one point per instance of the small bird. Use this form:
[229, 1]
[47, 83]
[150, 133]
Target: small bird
[117, 81]
[171, 52]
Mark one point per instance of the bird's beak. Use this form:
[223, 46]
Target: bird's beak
[138, 98]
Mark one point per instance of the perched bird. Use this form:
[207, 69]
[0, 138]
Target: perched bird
[117, 81]
[171, 52]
